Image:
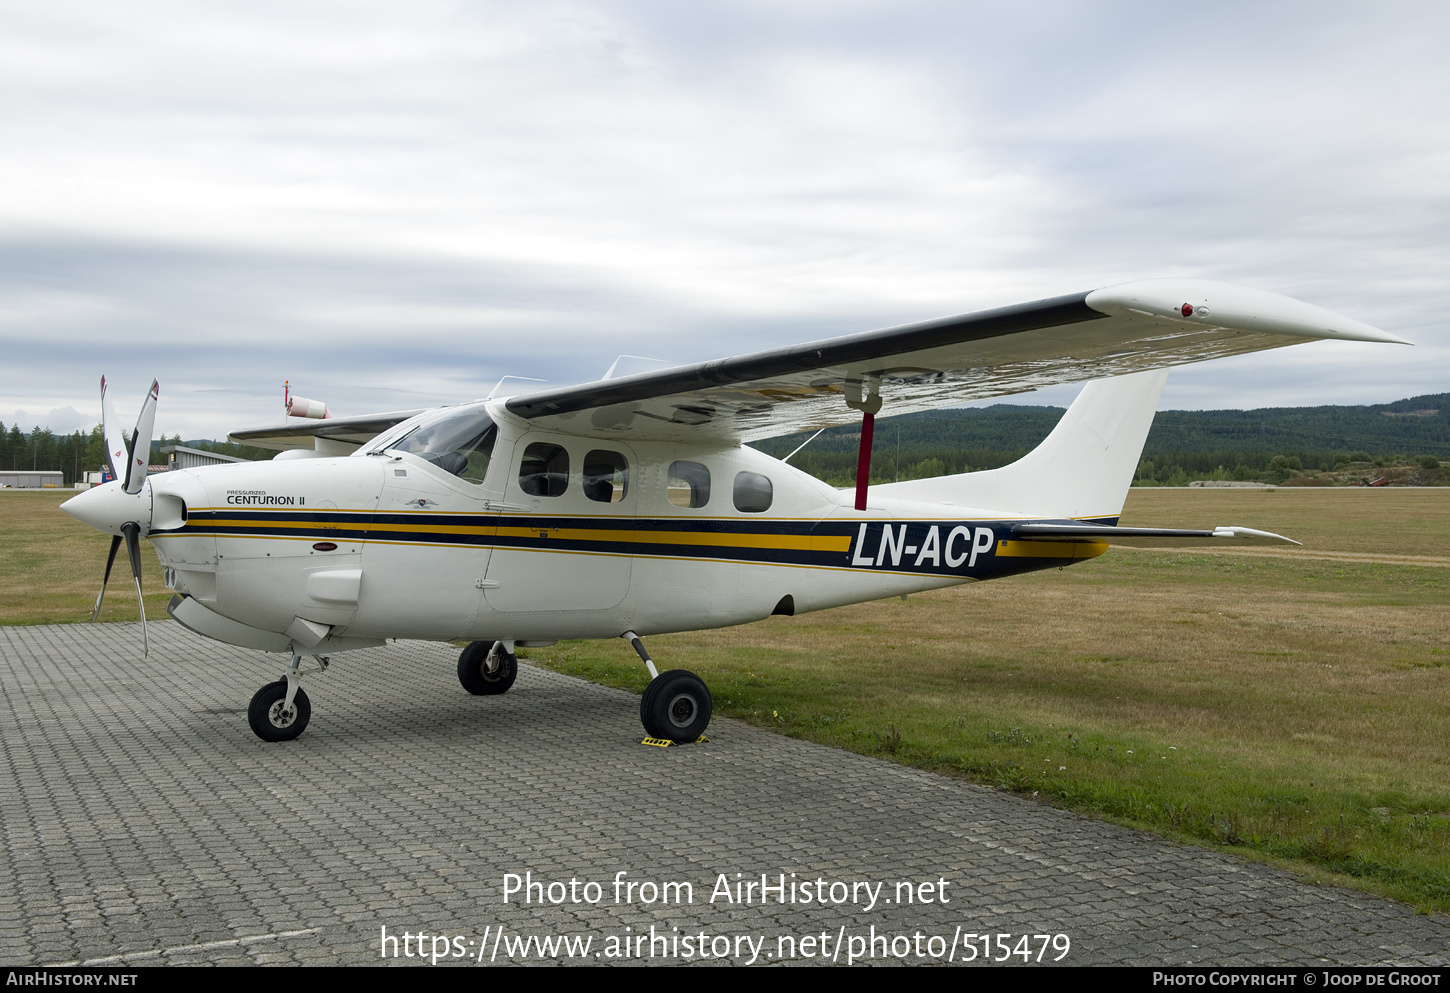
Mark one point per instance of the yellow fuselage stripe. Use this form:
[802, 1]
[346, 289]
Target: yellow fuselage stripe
[1051, 549]
[809, 543]
[801, 542]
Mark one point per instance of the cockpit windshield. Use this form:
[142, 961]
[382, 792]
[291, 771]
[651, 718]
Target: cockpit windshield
[458, 440]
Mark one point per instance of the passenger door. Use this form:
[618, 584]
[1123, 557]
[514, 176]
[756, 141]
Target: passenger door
[566, 543]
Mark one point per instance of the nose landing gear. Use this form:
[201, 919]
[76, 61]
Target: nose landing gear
[273, 718]
[280, 711]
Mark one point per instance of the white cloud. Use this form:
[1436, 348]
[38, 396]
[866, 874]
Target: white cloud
[62, 420]
[397, 204]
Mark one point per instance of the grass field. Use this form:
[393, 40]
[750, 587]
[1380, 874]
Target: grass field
[1287, 706]
[1291, 705]
[51, 565]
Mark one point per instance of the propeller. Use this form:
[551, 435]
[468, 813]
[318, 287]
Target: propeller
[110, 561]
[133, 552]
[139, 463]
[118, 453]
[113, 511]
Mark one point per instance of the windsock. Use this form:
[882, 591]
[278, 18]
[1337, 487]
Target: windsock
[303, 407]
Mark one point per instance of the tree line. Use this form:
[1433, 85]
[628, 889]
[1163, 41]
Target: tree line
[74, 455]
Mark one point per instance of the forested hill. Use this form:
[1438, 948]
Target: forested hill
[1415, 426]
[984, 437]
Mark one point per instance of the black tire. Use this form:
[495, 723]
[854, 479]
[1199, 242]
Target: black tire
[473, 671]
[676, 706]
[269, 722]
[646, 701]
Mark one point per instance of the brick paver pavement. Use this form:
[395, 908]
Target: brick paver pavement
[144, 823]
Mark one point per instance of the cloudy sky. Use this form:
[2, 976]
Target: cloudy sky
[394, 205]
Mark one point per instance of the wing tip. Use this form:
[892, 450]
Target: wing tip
[1235, 531]
[1210, 303]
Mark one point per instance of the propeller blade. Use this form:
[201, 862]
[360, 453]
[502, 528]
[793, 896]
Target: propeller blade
[110, 561]
[133, 550]
[118, 454]
[141, 442]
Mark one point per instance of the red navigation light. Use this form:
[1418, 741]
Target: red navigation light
[1187, 310]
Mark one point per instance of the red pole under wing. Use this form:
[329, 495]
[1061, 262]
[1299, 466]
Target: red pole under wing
[863, 460]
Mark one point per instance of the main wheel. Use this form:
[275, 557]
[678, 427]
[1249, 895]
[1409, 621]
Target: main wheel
[473, 670]
[676, 705]
[646, 701]
[270, 720]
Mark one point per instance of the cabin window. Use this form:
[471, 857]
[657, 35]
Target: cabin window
[544, 470]
[753, 493]
[606, 476]
[689, 484]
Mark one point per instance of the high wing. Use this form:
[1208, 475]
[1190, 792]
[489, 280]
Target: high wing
[953, 360]
[350, 432]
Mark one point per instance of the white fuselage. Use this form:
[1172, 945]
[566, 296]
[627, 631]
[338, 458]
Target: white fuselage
[313, 553]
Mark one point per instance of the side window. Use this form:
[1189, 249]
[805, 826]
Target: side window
[753, 492]
[606, 476]
[544, 470]
[689, 484]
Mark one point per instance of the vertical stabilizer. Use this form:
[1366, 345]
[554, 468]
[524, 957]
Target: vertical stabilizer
[1081, 470]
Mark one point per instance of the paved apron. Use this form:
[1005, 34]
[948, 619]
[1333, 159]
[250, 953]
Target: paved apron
[144, 823]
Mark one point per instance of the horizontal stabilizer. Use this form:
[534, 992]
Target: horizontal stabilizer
[354, 431]
[1142, 537]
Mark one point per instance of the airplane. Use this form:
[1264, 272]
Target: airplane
[635, 506]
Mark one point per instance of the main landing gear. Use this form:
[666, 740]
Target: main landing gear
[280, 711]
[488, 667]
[676, 705]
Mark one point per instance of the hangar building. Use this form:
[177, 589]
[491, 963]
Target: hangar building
[28, 480]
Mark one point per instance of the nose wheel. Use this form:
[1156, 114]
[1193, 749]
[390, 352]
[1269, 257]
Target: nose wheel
[272, 718]
[280, 711]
